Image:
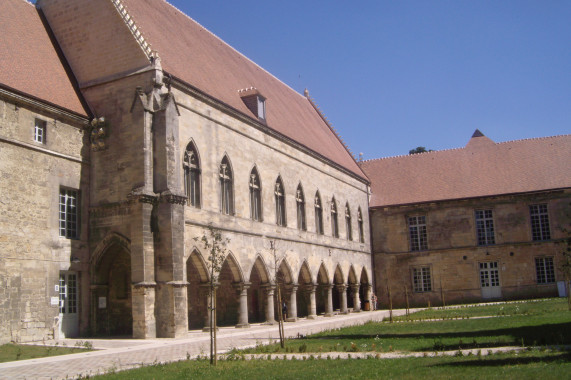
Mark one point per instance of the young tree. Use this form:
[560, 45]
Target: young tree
[215, 244]
[279, 281]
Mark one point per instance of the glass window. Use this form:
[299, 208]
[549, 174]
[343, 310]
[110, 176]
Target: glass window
[226, 188]
[544, 270]
[334, 222]
[300, 202]
[417, 231]
[539, 222]
[348, 227]
[485, 227]
[68, 213]
[318, 215]
[192, 176]
[360, 222]
[40, 131]
[255, 196]
[421, 279]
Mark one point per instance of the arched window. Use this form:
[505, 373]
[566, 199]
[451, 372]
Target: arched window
[360, 221]
[226, 187]
[300, 202]
[334, 223]
[348, 227]
[318, 214]
[280, 203]
[255, 196]
[191, 166]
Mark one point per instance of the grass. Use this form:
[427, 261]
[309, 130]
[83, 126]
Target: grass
[537, 324]
[12, 352]
[528, 365]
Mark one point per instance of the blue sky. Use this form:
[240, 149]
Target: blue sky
[394, 75]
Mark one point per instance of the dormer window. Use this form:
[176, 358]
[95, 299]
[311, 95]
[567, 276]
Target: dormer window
[255, 102]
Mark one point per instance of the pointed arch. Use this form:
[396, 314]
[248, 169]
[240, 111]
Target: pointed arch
[323, 275]
[318, 213]
[334, 219]
[338, 277]
[192, 173]
[348, 223]
[285, 272]
[364, 279]
[237, 275]
[352, 278]
[199, 263]
[304, 275]
[109, 240]
[279, 195]
[255, 186]
[226, 180]
[262, 269]
[300, 208]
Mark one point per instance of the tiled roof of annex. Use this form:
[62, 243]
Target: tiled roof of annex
[29, 62]
[196, 56]
[481, 168]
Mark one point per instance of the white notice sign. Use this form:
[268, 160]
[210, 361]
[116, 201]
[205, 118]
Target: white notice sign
[54, 301]
[102, 302]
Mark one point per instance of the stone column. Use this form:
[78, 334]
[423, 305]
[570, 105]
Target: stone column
[356, 299]
[368, 291]
[329, 301]
[292, 309]
[143, 301]
[312, 304]
[342, 298]
[242, 289]
[270, 319]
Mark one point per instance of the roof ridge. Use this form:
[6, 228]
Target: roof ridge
[324, 118]
[132, 26]
[413, 155]
[534, 138]
[234, 49]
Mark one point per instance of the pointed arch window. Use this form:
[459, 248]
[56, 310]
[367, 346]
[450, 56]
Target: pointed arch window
[334, 223]
[226, 187]
[348, 226]
[255, 196]
[318, 215]
[300, 205]
[191, 166]
[280, 203]
[360, 222]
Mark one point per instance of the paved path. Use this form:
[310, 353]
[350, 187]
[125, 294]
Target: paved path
[120, 354]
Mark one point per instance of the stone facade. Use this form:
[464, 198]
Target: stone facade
[459, 267]
[33, 252]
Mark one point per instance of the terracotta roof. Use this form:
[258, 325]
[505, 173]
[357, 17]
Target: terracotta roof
[29, 62]
[194, 55]
[481, 168]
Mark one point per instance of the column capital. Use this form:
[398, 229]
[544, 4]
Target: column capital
[241, 286]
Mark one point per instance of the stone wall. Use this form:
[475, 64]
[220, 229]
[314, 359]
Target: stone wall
[454, 256]
[32, 253]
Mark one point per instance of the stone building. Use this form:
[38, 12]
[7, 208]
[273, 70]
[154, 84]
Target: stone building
[126, 129]
[486, 221]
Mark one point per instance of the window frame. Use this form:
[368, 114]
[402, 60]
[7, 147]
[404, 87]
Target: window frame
[226, 184]
[485, 229]
[424, 285]
[418, 233]
[68, 219]
[348, 223]
[279, 197]
[334, 219]
[547, 267]
[300, 208]
[360, 224]
[192, 171]
[318, 209]
[40, 131]
[539, 222]
[255, 189]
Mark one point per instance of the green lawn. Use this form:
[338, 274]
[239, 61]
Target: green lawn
[530, 365]
[530, 324]
[11, 352]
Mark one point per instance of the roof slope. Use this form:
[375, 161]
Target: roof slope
[196, 56]
[481, 168]
[29, 62]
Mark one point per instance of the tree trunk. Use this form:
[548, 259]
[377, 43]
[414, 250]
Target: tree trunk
[280, 318]
[214, 323]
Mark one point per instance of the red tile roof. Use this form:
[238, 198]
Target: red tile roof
[29, 62]
[481, 168]
[196, 56]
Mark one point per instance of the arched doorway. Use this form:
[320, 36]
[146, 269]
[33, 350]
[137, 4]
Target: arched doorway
[351, 282]
[112, 298]
[364, 291]
[337, 282]
[197, 291]
[323, 285]
[259, 279]
[227, 302]
[305, 285]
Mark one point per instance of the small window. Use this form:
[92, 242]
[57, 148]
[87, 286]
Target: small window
[300, 202]
[348, 227]
[417, 231]
[318, 215]
[485, 227]
[261, 108]
[68, 213]
[544, 270]
[255, 196]
[40, 131]
[360, 222]
[280, 203]
[421, 279]
[226, 187]
[334, 221]
[192, 176]
[539, 222]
